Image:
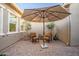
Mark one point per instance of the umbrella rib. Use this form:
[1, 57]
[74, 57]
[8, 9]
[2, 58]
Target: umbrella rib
[29, 14]
[55, 15]
[47, 16]
[59, 12]
[35, 16]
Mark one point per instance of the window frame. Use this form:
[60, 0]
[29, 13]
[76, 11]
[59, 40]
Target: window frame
[9, 23]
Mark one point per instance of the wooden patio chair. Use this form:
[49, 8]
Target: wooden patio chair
[48, 36]
[34, 37]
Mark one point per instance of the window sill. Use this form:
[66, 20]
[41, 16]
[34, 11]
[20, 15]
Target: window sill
[1, 34]
[12, 32]
[22, 31]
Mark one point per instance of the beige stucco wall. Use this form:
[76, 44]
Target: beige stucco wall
[63, 30]
[37, 27]
[8, 39]
[74, 9]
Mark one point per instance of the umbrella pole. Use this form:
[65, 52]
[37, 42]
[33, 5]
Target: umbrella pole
[43, 31]
[44, 45]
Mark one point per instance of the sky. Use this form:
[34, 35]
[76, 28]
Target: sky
[36, 5]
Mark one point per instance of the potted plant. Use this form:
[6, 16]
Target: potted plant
[27, 27]
[50, 26]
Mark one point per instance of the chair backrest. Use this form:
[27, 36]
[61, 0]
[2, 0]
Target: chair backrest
[48, 34]
[33, 34]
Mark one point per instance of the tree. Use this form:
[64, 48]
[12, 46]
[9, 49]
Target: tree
[51, 27]
[27, 27]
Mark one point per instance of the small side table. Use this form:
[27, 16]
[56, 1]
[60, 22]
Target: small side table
[40, 37]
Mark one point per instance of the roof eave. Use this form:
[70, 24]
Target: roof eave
[15, 7]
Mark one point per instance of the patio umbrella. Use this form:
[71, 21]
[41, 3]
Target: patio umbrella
[46, 14]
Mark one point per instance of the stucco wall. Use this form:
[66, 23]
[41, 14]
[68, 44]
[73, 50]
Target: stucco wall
[8, 39]
[38, 27]
[63, 30]
[74, 9]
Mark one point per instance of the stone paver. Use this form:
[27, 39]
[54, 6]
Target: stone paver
[27, 48]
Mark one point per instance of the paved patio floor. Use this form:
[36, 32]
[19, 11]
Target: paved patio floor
[27, 48]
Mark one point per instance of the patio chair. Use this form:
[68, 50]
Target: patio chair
[48, 36]
[34, 37]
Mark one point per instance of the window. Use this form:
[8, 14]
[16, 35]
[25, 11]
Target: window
[12, 23]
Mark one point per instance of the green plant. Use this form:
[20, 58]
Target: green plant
[27, 26]
[50, 25]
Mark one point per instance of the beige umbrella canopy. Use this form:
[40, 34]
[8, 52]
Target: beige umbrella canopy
[46, 14]
[53, 13]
